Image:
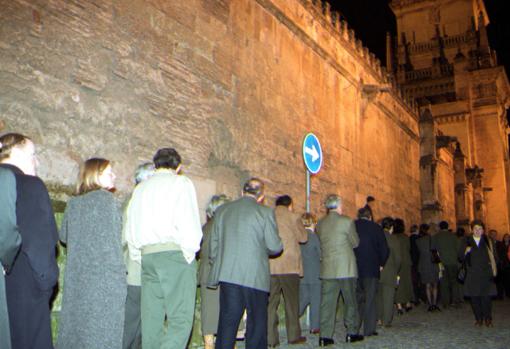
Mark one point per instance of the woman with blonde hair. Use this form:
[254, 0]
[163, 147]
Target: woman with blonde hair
[29, 285]
[95, 286]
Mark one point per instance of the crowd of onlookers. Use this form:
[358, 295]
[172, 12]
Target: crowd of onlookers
[249, 256]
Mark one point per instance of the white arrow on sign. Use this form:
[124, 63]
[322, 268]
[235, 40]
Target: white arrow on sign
[312, 152]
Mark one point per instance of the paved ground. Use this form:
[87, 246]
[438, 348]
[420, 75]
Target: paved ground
[419, 329]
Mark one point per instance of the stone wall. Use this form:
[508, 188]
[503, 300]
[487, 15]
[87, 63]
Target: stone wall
[233, 85]
[446, 186]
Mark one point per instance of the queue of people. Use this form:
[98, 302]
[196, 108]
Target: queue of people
[131, 274]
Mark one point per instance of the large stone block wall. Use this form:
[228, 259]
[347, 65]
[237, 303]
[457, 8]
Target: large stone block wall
[233, 85]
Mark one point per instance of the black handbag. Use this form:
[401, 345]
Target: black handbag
[434, 255]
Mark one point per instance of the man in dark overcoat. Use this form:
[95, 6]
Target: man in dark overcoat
[29, 286]
[371, 255]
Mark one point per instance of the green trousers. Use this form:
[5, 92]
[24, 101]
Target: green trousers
[169, 287]
[385, 303]
[331, 289]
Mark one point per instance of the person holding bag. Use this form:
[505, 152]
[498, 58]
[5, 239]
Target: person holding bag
[477, 252]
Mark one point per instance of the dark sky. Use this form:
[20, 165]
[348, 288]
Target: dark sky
[371, 19]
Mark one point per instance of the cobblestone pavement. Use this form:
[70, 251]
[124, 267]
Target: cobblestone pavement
[418, 329]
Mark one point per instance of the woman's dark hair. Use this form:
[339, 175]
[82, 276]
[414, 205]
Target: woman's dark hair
[477, 222]
[167, 158]
[460, 232]
[399, 226]
[387, 223]
[424, 229]
[284, 200]
[364, 213]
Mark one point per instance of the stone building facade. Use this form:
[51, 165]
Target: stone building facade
[233, 85]
[443, 59]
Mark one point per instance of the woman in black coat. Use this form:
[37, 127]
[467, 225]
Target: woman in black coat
[30, 284]
[475, 251]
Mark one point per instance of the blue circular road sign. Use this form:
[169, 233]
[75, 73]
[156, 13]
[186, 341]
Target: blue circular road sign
[312, 153]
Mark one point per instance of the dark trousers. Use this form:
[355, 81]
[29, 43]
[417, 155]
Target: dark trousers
[482, 307]
[29, 308]
[288, 285]
[234, 299]
[449, 285]
[132, 319]
[367, 303]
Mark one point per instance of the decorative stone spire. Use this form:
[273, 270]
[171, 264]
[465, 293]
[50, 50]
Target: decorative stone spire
[440, 45]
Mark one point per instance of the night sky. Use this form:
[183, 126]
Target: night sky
[371, 19]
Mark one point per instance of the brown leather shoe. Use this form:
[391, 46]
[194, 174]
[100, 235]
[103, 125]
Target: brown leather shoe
[488, 322]
[479, 323]
[299, 340]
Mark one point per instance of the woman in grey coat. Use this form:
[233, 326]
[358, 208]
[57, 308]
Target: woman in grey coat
[92, 314]
[210, 298]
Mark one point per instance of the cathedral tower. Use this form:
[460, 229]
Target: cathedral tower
[443, 59]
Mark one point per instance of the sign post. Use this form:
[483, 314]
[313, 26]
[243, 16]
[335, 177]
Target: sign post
[312, 156]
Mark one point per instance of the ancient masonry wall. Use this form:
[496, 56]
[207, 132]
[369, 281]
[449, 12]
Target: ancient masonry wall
[233, 85]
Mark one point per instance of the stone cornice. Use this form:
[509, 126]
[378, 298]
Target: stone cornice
[320, 10]
[451, 118]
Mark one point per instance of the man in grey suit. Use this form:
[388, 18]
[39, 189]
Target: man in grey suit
[10, 241]
[339, 272]
[243, 236]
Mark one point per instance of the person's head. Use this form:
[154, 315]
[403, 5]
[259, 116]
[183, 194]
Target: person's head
[493, 234]
[399, 226]
[370, 200]
[477, 227]
[443, 225]
[309, 220]
[284, 200]
[461, 232]
[424, 229]
[506, 239]
[167, 158]
[96, 173]
[333, 203]
[18, 150]
[364, 213]
[215, 202]
[414, 229]
[254, 187]
[388, 224]
[143, 172]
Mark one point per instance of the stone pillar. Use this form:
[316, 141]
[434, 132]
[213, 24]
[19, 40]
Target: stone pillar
[389, 53]
[475, 177]
[461, 188]
[431, 210]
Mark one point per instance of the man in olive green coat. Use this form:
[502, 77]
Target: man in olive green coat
[447, 246]
[389, 275]
[339, 271]
[10, 241]
[243, 236]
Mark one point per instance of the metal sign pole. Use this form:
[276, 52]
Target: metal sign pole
[307, 191]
